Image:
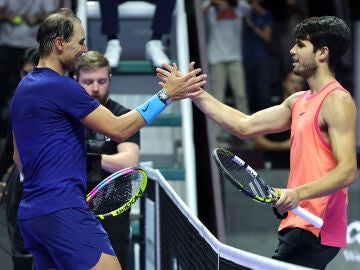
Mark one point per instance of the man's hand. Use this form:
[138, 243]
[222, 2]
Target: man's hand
[289, 199]
[179, 85]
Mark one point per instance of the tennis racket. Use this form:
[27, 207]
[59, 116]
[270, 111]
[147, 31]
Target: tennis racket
[245, 179]
[117, 193]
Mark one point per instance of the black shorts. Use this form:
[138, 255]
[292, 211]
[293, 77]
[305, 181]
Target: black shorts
[301, 247]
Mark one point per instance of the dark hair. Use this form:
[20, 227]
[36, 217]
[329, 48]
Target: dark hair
[58, 24]
[31, 55]
[329, 31]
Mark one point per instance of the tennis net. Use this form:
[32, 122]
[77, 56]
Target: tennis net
[173, 238]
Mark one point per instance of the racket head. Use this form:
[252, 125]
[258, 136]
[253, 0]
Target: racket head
[243, 177]
[117, 193]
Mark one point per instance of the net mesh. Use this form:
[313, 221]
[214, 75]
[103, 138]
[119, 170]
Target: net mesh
[182, 236]
[173, 238]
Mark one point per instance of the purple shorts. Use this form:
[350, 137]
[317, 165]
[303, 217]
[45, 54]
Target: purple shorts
[66, 239]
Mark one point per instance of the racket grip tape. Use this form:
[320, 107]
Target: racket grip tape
[314, 220]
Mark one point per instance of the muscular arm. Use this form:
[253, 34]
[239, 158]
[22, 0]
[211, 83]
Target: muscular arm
[127, 156]
[270, 120]
[338, 114]
[122, 127]
[119, 128]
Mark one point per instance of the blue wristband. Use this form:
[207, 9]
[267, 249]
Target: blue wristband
[151, 109]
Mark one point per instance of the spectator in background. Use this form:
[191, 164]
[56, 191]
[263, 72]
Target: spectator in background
[276, 146]
[10, 177]
[286, 14]
[105, 156]
[19, 21]
[161, 25]
[224, 19]
[256, 37]
[344, 10]
[296, 11]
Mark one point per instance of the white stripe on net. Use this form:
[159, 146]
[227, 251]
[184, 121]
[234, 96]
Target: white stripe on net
[237, 256]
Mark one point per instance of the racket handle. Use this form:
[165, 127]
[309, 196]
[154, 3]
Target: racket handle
[314, 220]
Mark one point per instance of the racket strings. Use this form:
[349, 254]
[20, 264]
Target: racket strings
[249, 183]
[116, 193]
[243, 177]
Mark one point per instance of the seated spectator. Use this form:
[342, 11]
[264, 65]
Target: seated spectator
[19, 21]
[105, 156]
[277, 145]
[256, 39]
[161, 25]
[224, 20]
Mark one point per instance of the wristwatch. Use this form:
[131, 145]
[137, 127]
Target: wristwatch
[164, 97]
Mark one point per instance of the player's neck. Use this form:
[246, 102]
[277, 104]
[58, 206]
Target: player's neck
[319, 80]
[50, 62]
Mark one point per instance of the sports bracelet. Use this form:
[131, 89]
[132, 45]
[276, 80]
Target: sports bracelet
[151, 109]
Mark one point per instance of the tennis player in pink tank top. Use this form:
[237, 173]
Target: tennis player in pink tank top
[322, 121]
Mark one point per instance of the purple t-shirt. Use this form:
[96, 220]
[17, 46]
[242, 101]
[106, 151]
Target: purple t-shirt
[45, 115]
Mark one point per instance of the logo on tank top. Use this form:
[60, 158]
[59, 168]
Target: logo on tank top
[352, 253]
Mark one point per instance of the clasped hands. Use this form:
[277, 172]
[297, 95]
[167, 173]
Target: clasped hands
[179, 85]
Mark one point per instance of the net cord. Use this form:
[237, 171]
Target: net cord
[244, 258]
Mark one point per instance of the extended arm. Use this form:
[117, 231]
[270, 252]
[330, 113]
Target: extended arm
[270, 120]
[120, 128]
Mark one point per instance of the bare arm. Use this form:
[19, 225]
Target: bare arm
[127, 156]
[264, 34]
[120, 128]
[6, 17]
[339, 114]
[270, 120]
